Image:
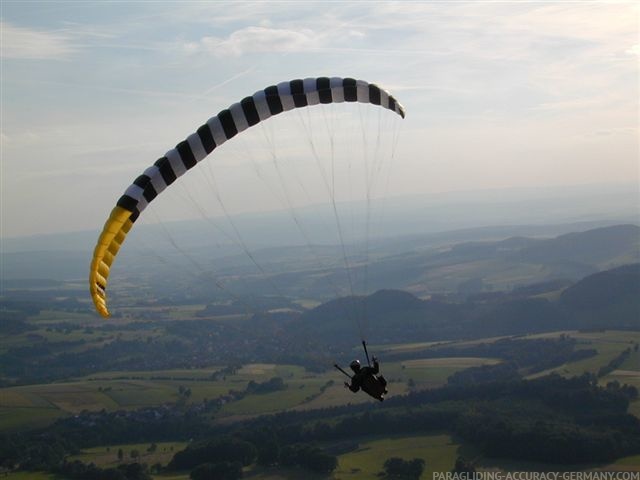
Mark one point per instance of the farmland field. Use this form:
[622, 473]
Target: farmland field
[55, 316]
[608, 344]
[107, 456]
[19, 418]
[39, 405]
[34, 406]
[30, 476]
[435, 371]
[173, 374]
[627, 463]
[295, 394]
[438, 451]
[73, 340]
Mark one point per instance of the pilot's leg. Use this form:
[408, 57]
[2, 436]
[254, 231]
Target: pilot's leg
[383, 382]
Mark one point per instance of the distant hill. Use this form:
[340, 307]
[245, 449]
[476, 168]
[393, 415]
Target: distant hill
[485, 266]
[520, 211]
[393, 315]
[607, 299]
[598, 247]
[604, 300]
[433, 267]
[603, 289]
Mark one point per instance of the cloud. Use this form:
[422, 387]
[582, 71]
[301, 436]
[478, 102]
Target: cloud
[256, 40]
[25, 43]
[634, 50]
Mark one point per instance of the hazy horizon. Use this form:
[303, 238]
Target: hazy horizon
[396, 216]
[498, 95]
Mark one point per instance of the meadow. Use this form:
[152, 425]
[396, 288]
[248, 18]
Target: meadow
[439, 453]
[107, 456]
[34, 406]
[609, 344]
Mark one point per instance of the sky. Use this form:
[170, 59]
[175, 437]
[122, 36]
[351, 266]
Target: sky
[498, 94]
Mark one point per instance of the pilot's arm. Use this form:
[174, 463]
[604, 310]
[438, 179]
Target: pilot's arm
[376, 366]
[354, 386]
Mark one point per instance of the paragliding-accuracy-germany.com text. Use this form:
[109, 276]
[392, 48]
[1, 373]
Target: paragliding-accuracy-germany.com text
[593, 475]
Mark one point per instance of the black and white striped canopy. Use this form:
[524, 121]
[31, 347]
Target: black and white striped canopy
[218, 129]
[240, 116]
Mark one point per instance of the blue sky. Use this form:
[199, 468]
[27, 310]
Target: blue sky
[498, 94]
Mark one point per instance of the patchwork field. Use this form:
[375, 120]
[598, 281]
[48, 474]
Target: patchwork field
[435, 371]
[73, 340]
[35, 406]
[438, 451]
[107, 456]
[19, 418]
[608, 344]
[30, 476]
[365, 462]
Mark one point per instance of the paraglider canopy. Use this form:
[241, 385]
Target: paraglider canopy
[250, 111]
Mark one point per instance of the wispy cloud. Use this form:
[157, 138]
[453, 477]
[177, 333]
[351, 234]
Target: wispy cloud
[165, 94]
[218, 85]
[26, 43]
[255, 40]
[494, 88]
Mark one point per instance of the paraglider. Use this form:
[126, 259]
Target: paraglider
[218, 129]
[366, 378]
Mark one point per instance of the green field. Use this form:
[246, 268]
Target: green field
[631, 463]
[497, 274]
[608, 344]
[628, 373]
[630, 377]
[37, 405]
[30, 476]
[295, 394]
[17, 418]
[177, 476]
[438, 451]
[626, 463]
[107, 456]
[432, 372]
[632, 362]
[85, 338]
[404, 347]
[173, 374]
[34, 406]
[55, 316]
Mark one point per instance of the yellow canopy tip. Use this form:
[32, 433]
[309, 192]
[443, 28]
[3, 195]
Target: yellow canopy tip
[113, 234]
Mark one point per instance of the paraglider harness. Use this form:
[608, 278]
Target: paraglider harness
[366, 378]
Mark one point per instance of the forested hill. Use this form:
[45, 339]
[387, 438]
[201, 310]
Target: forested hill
[611, 288]
[435, 266]
[590, 247]
[604, 300]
